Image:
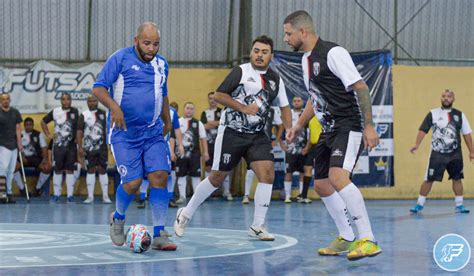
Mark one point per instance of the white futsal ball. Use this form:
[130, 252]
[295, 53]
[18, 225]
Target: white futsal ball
[138, 238]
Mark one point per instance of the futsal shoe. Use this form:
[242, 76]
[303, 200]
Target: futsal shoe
[364, 248]
[229, 197]
[416, 209]
[287, 199]
[172, 204]
[106, 199]
[70, 199]
[163, 242]
[55, 198]
[89, 200]
[260, 233]
[117, 234]
[141, 204]
[245, 200]
[181, 200]
[180, 223]
[337, 247]
[461, 209]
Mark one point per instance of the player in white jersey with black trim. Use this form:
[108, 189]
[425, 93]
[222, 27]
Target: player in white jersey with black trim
[210, 118]
[447, 124]
[64, 148]
[195, 147]
[340, 99]
[91, 141]
[295, 152]
[247, 93]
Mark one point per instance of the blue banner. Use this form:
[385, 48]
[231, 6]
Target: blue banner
[373, 168]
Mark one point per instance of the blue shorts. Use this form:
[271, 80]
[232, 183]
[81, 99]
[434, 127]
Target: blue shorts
[136, 159]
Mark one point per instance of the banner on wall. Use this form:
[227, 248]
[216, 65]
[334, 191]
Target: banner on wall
[37, 88]
[374, 168]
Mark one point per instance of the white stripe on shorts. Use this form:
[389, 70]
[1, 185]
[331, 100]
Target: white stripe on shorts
[353, 145]
[218, 148]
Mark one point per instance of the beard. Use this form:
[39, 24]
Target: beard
[446, 105]
[297, 47]
[143, 54]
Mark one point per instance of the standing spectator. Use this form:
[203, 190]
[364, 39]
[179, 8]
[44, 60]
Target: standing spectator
[64, 147]
[10, 141]
[295, 151]
[195, 146]
[91, 135]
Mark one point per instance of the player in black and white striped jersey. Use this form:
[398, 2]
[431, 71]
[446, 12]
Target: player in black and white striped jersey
[247, 93]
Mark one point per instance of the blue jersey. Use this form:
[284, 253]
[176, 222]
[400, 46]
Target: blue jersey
[174, 122]
[138, 87]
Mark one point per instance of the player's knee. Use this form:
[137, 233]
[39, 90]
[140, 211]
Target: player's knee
[91, 170]
[217, 178]
[338, 177]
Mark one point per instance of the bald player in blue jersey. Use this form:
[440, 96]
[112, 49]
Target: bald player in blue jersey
[133, 85]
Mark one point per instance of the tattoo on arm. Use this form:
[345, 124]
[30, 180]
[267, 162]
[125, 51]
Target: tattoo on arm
[363, 96]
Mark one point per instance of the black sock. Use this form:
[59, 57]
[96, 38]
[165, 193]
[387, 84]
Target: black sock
[306, 181]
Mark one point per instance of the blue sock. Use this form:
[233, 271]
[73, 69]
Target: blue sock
[122, 200]
[159, 207]
[142, 196]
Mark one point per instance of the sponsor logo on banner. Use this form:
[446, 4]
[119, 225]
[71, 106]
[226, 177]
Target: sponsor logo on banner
[385, 148]
[380, 164]
[362, 166]
[382, 129]
[382, 113]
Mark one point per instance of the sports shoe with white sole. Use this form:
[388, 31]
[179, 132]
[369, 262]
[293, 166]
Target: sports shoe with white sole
[89, 200]
[261, 233]
[180, 223]
[245, 200]
[117, 234]
[106, 199]
[163, 242]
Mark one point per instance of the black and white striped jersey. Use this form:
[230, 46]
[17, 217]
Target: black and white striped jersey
[328, 73]
[248, 85]
[447, 126]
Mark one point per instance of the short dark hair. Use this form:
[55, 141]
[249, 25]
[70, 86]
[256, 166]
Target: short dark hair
[265, 40]
[66, 94]
[191, 103]
[28, 119]
[211, 93]
[295, 17]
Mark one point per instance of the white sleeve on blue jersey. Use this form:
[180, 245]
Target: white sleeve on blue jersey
[340, 63]
[281, 100]
[465, 128]
[175, 118]
[110, 72]
[165, 84]
[202, 131]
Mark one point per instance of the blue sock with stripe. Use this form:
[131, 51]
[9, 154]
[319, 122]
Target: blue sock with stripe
[159, 207]
[122, 201]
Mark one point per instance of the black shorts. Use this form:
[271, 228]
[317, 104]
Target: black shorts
[339, 149]
[210, 148]
[231, 146]
[64, 158]
[310, 157]
[31, 161]
[294, 162]
[97, 158]
[439, 163]
[189, 166]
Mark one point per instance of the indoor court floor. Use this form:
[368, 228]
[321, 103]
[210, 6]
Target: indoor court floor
[43, 238]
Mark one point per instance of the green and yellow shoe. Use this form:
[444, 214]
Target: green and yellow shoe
[337, 247]
[364, 248]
